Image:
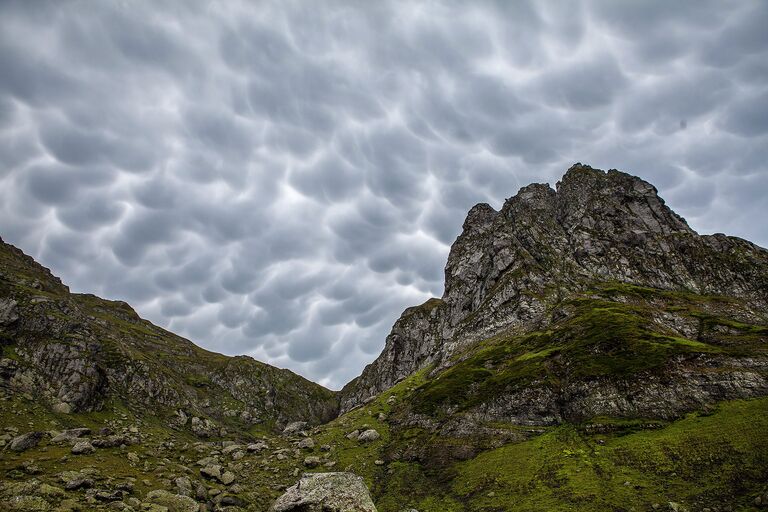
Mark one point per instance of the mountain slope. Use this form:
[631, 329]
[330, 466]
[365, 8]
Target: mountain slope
[80, 353]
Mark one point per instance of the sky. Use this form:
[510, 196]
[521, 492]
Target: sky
[281, 179]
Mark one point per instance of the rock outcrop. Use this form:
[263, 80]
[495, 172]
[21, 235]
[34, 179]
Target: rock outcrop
[519, 270]
[78, 352]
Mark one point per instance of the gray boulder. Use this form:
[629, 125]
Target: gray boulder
[295, 427]
[69, 435]
[368, 436]
[25, 441]
[326, 492]
[173, 502]
[83, 448]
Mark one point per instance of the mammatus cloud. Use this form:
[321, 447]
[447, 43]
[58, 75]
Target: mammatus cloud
[282, 181]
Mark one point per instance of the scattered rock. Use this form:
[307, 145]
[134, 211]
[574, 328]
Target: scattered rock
[69, 435]
[368, 436]
[79, 482]
[232, 448]
[173, 502]
[320, 492]
[62, 408]
[227, 478]
[312, 462]
[212, 472]
[83, 448]
[25, 441]
[257, 447]
[353, 435]
[294, 427]
[307, 443]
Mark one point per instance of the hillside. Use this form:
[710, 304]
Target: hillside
[591, 352]
[79, 353]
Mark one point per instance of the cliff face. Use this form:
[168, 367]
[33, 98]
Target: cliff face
[80, 353]
[601, 252]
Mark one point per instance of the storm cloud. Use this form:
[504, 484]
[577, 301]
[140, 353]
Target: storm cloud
[282, 179]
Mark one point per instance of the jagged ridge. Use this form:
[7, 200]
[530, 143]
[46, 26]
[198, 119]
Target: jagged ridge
[514, 270]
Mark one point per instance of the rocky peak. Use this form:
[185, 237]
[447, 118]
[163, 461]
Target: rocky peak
[509, 269]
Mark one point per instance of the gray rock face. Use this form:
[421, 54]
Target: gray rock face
[326, 492]
[509, 269]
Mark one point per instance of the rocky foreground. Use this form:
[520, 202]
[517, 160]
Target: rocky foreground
[591, 352]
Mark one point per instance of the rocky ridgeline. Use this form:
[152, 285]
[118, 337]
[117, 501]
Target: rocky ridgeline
[80, 353]
[515, 271]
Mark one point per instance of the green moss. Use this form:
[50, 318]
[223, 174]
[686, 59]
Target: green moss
[700, 460]
[598, 338]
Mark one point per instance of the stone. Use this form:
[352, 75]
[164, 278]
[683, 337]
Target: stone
[294, 427]
[321, 492]
[368, 436]
[83, 448]
[62, 408]
[173, 502]
[212, 472]
[227, 478]
[79, 482]
[353, 435]
[306, 444]
[312, 461]
[8, 312]
[257, 447]
[25, 441]
[232, 448]
[70, 435]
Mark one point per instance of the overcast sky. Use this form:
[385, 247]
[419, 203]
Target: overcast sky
[282, 179]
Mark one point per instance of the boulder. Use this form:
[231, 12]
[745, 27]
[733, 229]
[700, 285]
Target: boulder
[173, 502]
[368, 436]
[326, 492]
[83, 448]
[294, 427]
[257, 447]
[70, 435]
[307, 443]
[312, 462]
[25, 441]
[211, 471]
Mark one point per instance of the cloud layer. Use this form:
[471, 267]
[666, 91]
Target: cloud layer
[282, 179]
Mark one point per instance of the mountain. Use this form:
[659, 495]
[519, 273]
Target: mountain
[591, 352]
[79, 353]
[590, 299]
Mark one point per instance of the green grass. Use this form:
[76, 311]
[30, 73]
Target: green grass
[599, 338]
[720, 458]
